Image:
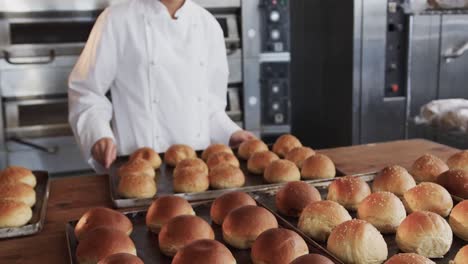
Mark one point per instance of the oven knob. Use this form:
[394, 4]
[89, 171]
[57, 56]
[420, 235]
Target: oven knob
[274, 16]
[275, 34]
[275, 106]
[275, 89]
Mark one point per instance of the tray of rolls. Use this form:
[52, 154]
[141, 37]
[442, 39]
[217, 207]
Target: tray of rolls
[384, 217]
[204, 175]
[23, 201]
[230, 229]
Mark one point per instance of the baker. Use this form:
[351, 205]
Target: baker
[164, 63]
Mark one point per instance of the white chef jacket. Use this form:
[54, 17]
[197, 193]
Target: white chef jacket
[167, 77]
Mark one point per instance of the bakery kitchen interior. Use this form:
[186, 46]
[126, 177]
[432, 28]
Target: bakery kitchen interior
[211, 131]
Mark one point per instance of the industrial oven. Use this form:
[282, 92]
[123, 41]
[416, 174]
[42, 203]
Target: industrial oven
[40, 42]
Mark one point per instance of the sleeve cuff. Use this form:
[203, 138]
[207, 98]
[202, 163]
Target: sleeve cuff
[222, 127]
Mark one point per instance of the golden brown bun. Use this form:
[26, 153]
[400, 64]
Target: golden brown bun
[14, 214]
[177, 153]
[281, 171]
[424, 233]
[204, 251]
[278, 245]
[225, 176]
[121, 258]
[224, 204]
[149, 155]
[164, 209]
[182, 230]
[286, 143]
[299, 154]
[428, 196]
[462, 256]
[243, 225]
[319, 218]
[190, 180]
[132, 186]
[383, 210]
[318, 166]
[215, 148]
[249, 147]
[18, 174]
[394, 179]
[356, 241]
[293, 197]
[312, 259]
[137, 167]
[101, 243]
[427, 168]
[260, 160]
[348, 191]
[458, 220]
[455, 181]
[459, 161]
[195, 164]
[102, 217]
[408, 258]
[222, 158]
[19, 192]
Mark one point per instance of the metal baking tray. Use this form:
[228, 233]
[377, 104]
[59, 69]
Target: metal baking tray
[147, 246]
[253, 182]
[38, 210]
[266, 198]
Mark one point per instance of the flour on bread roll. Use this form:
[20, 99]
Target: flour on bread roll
[14, 214]
[102, 217]
[149, 155]
[260, 160]
[408, 258]
[312, 259]
[19, 192]
[428, 196]
[121, 258]
[348, 191]
[222, 158]
[215, 148]
[204, 251]
[132, 186]
[227, 202]
[299, 154]
[137, 167]
[427, 168]
[356, 241]
[462, 256]
[190, 180]
[194, 164]
[293, 197]
[14, 174]
[249, 147]
[286, 143]
[458, 220]
[455, 181]
[164, 209]
[394, 179]
[318, 166]
[424, 233]
[281, 171]
[459, 160]
[177, 153]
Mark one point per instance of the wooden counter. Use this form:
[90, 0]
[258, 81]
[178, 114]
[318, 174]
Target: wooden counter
[71, 197]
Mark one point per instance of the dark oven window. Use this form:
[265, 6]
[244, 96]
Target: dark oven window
[43, 114]
[223, 23]
[48, 33]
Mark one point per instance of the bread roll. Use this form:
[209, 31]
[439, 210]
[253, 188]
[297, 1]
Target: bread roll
[243, 225]
[195, 164]
[190, 180]
[215, 148]
[348, 191]
[14, 174]
[356, 241]
[293, 197]
[177, 153]
[181, 231]
[428, 196]
[222, 158]
[249, 147]
[149, 155]
[462, 256]
[228, 202]
[102, 217]
[101, 243]
[424, 233]
[225, 176]
[285, 143]
[408, 258]
[319, 218]
[318, 166]
[121, 258]
[394, 179]
[204, 251]
[299, 154]
[281, 171]
[260, 160]
[278, 245]
[164, 209]
[458, 220]
[14, 214]
[459, 161]
[455, 181]
[19, 192]
[312, 259]
[383, 210]
[427, 168]
[137, 167]
[132, 186]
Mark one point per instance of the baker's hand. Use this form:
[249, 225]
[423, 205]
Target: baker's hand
[240, 136]
[104, 151]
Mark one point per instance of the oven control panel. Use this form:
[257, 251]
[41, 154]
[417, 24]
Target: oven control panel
[275, 93]
[275, 23]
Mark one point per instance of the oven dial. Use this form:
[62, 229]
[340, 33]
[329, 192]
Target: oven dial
[275, 89]
[276, 106]
[275, 34]
[274, 16]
